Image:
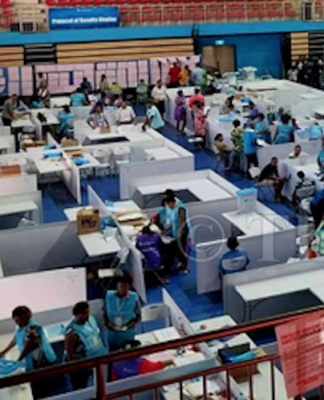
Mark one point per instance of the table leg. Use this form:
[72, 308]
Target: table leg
[15, 132]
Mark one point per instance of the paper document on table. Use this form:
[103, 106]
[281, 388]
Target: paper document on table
[164, 335]
[168, 355]
[188, 358]
[196, 388]
[146, 339]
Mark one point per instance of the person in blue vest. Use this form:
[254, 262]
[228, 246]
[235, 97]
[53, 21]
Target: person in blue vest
[317, 207]
[234, 260]
[315, 132]
[320, 158]
[261, 128]
[122, 312]
[66, 118]
[82, 340]
[250, 146]
[34, 349]
[278, 114]
[78, 99]
[180, 230]
[284, 131]
[136, 366]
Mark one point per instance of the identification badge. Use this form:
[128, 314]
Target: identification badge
[118, 321]
[95, 341]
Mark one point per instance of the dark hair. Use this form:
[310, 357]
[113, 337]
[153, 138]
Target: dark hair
[285, 118]
[103, 95]
[80, 308]
[218, 136]
[21, 311]
[66, 108]
[197, 91]
[301, 174]
[84, 79]
[274, 159]
[169, 192]
[299, 146]
[236, 123]
[147, 230]
[251, 104]
[103, 76]
[98, 105]
[170, 199]
[232, 242]
[125, 279]
[40, 74]
[261, 116]
[79, 90]
[180, 92]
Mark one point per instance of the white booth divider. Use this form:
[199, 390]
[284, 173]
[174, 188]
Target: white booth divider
[263, 250]
[18, 184]
[42, 291]
[71, 178]
[308, 273]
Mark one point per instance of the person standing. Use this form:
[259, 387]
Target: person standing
[185, 76]
[262, 128]
[153, 117]
[9, 110]
[34, 348]
[42, 90]
[159, 95]
[78, 99]
[125, 115]
[197, 75]
[86, 86]
[320, 158]
[317, 207]
[197, 97]
[180, 113]
[250, 147]
[174, 75]
[122, 313]
[284, 131]
[103, 85]
[237, 153]
[200, 122]
[142, 90]
[82, 340]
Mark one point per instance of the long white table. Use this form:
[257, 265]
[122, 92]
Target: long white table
[161, 153]
[49, 166]
[95, 245]
[16, 208]
[251, 223]
[203, 189]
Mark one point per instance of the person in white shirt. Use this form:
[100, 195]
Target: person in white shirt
[159, 95]
[125, 114]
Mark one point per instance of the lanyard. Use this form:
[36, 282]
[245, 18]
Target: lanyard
[121, 306]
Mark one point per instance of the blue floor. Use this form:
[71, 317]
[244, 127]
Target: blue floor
[182, 288]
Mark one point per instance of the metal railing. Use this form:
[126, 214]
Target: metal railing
[98, 364]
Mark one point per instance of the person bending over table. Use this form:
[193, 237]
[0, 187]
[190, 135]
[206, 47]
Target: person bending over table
[305, 188]
[320, 159]
[35, 350]
[180, 230]
[261, 128]
[224, 150]
[98, 118]
[317, 207]
[136, 366]
[284, 131]
[9, 110]
[78, 98]
[125, 115]
[234, 260]
[270, 177]
[122, 313]
[66, 118]
[153, 117]
[149, 243]
[82, 340]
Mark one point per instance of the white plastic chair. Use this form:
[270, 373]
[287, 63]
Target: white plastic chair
[156, 311]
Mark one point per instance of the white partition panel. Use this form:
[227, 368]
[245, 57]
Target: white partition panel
[71, 178]
[42, 291]
[96, 202]
[18, 184]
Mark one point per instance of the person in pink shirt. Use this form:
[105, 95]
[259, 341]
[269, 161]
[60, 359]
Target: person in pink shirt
[196, 98]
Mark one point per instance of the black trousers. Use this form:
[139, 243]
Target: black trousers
[6, 121]
[252, 159]
[161, 107]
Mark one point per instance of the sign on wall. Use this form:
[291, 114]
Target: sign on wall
[83, 18]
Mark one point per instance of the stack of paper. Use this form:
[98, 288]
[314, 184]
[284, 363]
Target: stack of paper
[188, 358]
[167, 334]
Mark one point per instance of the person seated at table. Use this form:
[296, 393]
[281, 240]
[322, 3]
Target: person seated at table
[103, 85]
[34, 349]
[234, 260]
[320, 159]
[317, 207]
[237, 140]
[180, 230]
[78, 99]
[86, 86]
[122, 312]
[116, 89]
[149, 243]
[315, 131]
[37, 102]
[142, 90]
[9, 111]
[82, 340]
[196, 98]
[297, 152]
[250, 146]
[224, 150]
[295, 125]
[153, 117]
[125, 114]
[283, 131]
[261, 128]
[305, 188]
[136, 366]
[102, 100]
[66, 118]
[98, 118]
[254, 112]
[269, 176]
[228, 106]
[278, 114]
[180, 113]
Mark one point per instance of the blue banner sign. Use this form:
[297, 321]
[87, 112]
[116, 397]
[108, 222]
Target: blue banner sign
[83, 18]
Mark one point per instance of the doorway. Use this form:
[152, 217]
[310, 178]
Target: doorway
[219, 57]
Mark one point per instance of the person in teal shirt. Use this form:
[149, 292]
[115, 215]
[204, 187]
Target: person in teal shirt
[250, 147]
[122, 312]
[66, 118]
[315, 132]
[261, 128]
[320, 159]
[37, 103]
[35, 351]
[78, 99]
[284, 131]
[153, 117]
[82, 340]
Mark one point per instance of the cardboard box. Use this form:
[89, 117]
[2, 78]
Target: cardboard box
[105, 130]
[10, 170]
[88, 221]
[69, 142]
